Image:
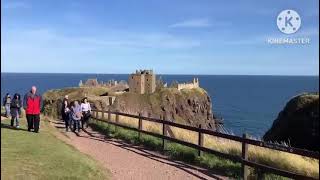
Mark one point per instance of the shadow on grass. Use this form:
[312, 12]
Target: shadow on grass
[210, 165]
[6, 126]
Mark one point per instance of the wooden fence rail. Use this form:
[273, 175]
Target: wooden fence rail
[245, 140]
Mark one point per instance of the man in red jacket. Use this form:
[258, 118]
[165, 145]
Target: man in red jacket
[32, 104]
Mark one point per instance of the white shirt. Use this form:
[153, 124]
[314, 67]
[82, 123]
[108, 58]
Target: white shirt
[85, 107]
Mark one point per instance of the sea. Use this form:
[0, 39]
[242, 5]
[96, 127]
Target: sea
[247, 103]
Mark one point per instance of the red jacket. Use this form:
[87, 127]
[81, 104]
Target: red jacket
[32, 103]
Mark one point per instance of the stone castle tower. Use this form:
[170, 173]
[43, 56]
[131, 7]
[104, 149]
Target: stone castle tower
[143, 81]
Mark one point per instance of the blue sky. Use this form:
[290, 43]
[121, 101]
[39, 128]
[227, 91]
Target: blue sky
[170, 37]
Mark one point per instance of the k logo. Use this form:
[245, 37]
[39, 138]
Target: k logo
[288, 21]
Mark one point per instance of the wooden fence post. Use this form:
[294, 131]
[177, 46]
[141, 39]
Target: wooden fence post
[200, 141]
[117, 116]
[110, 101]
[96, 114]
[109, 115]
[164, 132]
[117, 119]
[245, 170]
[140, 126]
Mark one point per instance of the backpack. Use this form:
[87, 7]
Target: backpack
[15, 103]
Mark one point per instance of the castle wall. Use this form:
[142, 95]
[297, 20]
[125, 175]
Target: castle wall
[194, 84]
[150, 83]
[137, 83]
[143, 81]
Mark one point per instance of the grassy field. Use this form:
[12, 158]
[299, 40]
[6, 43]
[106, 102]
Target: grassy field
[282, 160]
[28, 155]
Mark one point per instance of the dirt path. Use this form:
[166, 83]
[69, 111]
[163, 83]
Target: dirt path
[126, 161]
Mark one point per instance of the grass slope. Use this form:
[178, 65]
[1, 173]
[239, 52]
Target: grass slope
[27, 155]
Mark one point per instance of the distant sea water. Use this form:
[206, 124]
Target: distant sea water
[246, 103]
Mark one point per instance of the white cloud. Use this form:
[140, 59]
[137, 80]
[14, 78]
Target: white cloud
[48, 42]
[200, 23]
[192, 23]
[50, 49]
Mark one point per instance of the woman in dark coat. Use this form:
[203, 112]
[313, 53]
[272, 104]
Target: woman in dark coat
[15, 109]
[65, 112]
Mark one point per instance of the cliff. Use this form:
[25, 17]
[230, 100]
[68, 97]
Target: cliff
[186, 106]
[298, 123]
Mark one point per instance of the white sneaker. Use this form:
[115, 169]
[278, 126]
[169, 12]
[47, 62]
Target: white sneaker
[17, 126]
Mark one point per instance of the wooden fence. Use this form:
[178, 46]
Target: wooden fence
[245, 162]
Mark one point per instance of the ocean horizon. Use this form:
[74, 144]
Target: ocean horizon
[285, 75]
[247, 103]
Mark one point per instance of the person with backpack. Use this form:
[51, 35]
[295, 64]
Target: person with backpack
[76, 115]
[86, 112]
[15, 109]
[6, 104]
[32, 103]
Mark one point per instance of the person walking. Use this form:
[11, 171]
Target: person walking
[76, 115]
[32, 103]
[15, 109]
[6, 104]
[86, 112]
[65, 110]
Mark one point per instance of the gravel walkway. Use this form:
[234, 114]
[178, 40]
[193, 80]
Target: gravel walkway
[126, 161]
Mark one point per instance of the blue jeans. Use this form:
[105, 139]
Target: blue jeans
[70, 121]
[76, 125]
[7, 107]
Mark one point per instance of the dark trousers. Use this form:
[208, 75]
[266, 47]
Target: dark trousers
[66, 120]
[33, 122]
[85, 118]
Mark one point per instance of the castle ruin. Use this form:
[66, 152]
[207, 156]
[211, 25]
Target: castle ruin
[143, 81]
[95, 83]
[191, 85]
[90, 83]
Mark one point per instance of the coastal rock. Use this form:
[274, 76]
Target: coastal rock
[186, 106]
[298, 123]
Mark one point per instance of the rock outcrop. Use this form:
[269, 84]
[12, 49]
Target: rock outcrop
[298, 123]
[187, 106]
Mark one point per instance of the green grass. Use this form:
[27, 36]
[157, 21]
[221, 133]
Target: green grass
[74, 92]
[27, 155]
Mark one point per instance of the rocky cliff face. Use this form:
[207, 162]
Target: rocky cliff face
[188, 106]
[298, 123]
